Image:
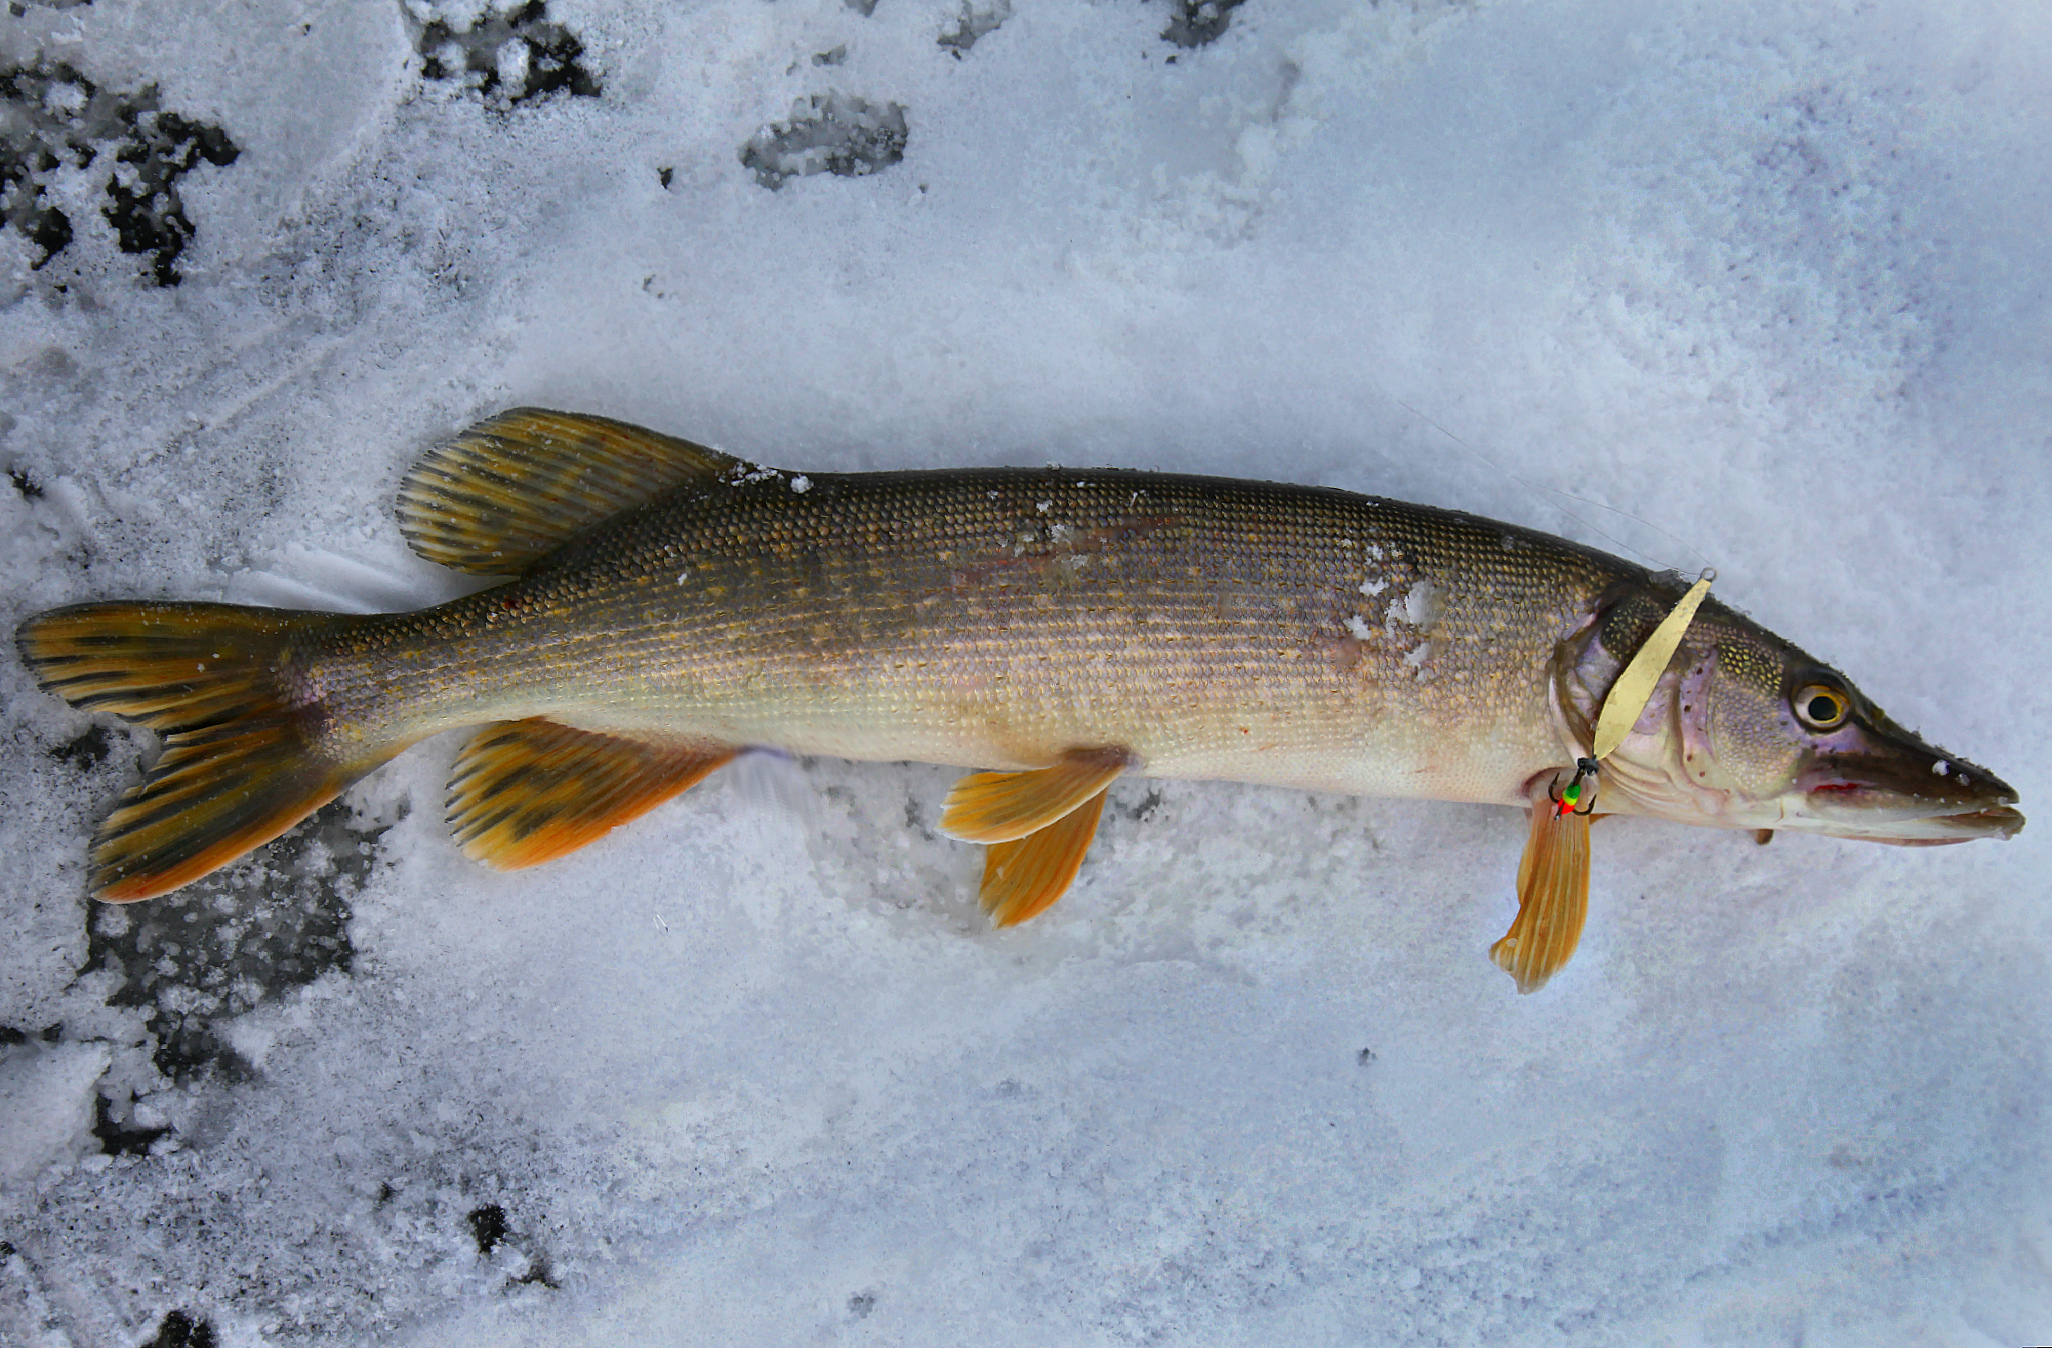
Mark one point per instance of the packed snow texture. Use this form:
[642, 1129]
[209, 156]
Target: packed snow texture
[1761, 286]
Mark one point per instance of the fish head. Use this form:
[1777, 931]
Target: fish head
[1745, 730]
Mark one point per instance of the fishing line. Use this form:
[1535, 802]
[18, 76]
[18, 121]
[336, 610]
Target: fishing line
[1559, 492]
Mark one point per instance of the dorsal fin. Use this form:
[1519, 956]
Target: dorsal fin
[505, 493]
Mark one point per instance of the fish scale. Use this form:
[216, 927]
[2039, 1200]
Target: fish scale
[997, 617]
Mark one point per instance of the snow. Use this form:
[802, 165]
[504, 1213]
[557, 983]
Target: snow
[46, 1096]
[1743, 282]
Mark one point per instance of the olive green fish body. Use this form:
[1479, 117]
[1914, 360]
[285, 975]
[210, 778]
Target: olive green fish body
[996, 618]
[664, 607]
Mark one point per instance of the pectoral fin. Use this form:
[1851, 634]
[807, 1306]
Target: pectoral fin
[525, 792]
[1553, 898]
[1022, 878]
[999, 807]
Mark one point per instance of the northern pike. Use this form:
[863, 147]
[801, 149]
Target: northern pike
[667, 606]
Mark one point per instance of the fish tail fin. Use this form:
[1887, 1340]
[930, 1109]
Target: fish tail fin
[246, 754]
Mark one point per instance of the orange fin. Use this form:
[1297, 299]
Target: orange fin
[998, 807]
[1553, 898]
[525, 792]
[1022, 878]
[244, 755]
[505, 493]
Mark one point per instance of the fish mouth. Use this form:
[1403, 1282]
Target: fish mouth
[1917, 799]
[1881, 814]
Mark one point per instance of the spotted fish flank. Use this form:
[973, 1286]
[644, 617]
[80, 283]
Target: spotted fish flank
[668, 605]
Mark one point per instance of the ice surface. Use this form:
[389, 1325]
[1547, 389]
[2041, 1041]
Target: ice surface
[1744, 284]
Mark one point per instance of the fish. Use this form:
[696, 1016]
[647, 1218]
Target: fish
[659, 607]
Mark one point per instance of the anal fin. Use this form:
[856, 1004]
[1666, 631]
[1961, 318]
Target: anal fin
[1553, 898]
[525, 792]
[1000, 807]
[1023, 877]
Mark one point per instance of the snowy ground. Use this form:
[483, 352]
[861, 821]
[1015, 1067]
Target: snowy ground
[1759, 285]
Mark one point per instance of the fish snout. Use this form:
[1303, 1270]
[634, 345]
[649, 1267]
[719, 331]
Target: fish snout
[1918, 798]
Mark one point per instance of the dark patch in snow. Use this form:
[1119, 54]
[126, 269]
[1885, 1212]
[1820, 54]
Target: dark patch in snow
[833, 56]
[48, 228]
[487, 1226]
[179, 1330]
[976, 22]
[833, 132]
[87, 751]
[1198, 23]
[863, 7]
[1366, 1057]
[663, 176]
[1140, 809]
[861, 1304]
[505, 59]
[915, 819]
[53, 118]
[276, 920]
[145, 208]
[117, 1130]
[25, 484]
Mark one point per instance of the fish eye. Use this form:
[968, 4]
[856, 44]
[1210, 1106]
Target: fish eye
[1822, 707]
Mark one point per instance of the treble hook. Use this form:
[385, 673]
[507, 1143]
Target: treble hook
[1572, 799]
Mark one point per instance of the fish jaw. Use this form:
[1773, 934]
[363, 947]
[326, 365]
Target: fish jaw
[1838, 817]
[1879, 783]
[1870, 780]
